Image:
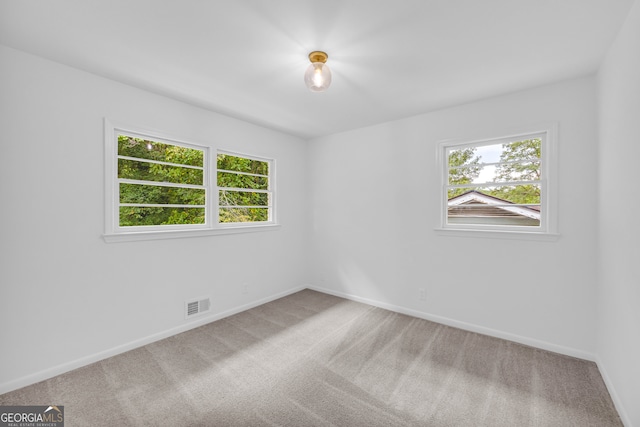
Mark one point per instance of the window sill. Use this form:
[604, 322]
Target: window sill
[497, 234]
[179, 234]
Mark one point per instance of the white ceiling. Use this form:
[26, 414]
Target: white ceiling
[390, 59]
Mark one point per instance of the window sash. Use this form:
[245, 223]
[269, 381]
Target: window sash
[161, 184]
[113, 182]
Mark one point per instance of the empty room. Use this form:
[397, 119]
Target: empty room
[336, 213]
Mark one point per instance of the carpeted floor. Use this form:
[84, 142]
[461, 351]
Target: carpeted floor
[312, 359]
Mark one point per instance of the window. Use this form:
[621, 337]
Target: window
[502, 184]
[159, 187]
[244, 189]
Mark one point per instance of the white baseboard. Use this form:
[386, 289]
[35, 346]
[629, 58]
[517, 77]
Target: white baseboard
[612, 392]
[87, 360]
[532, 342]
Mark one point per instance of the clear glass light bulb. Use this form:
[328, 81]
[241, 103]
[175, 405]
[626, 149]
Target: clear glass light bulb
[317, 77]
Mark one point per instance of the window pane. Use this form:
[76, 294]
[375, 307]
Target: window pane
[491, 205]
[520, 194]
[519, 158]
[234, 180]
[526, 149]
[137, 216]
[243, 214]
[143, 171]
[157, 195]
[153, 150]
[491, 215]
[242, 198]
[521, 171]
[241, 164]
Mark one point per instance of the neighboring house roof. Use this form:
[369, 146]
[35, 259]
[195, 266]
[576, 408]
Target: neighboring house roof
[488, 206]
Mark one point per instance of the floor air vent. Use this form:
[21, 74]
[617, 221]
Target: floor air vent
[197, 307]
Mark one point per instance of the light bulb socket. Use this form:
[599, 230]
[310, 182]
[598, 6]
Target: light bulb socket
[318, 56]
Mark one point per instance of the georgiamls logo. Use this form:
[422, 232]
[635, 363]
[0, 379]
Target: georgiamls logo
[13, 416]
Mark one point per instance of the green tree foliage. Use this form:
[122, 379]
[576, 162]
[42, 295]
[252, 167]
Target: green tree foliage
[236, 200]
[138, 148]
[464, 167]
[237, 178]
[520, 162]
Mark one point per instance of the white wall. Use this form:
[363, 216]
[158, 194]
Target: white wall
[619, 229]
[65, 294]
[374, 199]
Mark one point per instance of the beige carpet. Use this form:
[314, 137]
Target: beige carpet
[311, 359]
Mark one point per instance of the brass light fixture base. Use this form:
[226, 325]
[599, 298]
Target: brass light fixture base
[318, 56]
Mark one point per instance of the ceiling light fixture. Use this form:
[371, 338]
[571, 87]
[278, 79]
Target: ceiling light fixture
[318, 75]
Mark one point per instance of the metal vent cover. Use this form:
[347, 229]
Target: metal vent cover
[197, 307]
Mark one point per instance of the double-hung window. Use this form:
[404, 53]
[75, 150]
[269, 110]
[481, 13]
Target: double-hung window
[158, 187]
[502, 184]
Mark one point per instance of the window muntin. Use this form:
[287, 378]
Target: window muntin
[497, 184]
[159, 183]
[244, 189]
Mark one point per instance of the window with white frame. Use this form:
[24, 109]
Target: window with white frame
[499, 184]
[159, 187]
[244, 188]
[159, 183]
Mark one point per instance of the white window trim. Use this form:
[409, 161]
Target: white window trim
[114, 233]
[549, 198]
